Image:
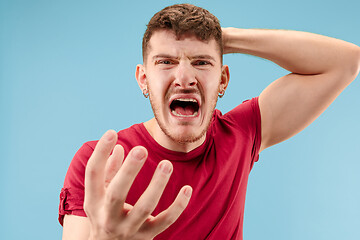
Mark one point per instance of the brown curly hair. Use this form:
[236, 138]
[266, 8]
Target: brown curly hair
[184, 19]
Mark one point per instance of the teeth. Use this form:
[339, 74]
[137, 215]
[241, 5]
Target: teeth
[180, 115]
[186, 99]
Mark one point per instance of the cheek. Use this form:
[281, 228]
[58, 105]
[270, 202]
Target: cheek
[157, 91]
[154, 83]
[211, 85]
[159, 79]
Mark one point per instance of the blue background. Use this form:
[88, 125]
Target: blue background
[67, 75]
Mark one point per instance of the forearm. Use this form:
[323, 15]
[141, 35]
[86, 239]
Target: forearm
[298, 52]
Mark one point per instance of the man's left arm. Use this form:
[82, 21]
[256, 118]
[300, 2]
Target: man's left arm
[321, 68]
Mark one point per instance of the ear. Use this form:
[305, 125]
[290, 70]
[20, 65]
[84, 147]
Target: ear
[225, 77]
[140, 76]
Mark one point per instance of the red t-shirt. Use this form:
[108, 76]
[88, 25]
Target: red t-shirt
[217, 170]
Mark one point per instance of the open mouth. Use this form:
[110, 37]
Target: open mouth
[184, 107]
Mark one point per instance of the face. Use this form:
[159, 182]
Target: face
[183, 77]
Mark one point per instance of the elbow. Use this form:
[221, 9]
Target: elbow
[357, 69]
[355, 63]
[351, 65]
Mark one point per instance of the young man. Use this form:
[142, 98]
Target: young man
[120, 187]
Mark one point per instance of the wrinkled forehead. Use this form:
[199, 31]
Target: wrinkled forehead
[166, 42]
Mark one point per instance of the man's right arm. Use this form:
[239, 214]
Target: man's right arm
[107, 182]
[75, 228]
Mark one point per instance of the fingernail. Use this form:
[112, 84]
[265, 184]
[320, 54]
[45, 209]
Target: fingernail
[139, 154]
[188, 192]
[165, 167]
[109, 136]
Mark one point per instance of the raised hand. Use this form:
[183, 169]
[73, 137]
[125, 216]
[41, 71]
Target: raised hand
[107, 183]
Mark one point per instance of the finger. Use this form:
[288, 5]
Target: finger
[127, 208]
[94, 172]
[164, 219]
[119, 187]
[113, 164]
[150, 198]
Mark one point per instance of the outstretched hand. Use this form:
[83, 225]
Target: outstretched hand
[107, 182]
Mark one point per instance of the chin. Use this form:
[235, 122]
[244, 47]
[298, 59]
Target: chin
[184, 139]
[184, 136]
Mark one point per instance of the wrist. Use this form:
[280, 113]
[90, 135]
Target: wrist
[231, 39]
[94, 236]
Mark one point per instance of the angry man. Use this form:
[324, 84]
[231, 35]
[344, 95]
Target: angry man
[120, 187]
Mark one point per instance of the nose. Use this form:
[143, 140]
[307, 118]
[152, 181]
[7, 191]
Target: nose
[185, 76]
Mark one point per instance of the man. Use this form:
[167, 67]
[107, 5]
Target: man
[120, 187]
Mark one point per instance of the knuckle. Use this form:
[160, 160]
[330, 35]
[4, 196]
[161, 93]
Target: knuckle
[125, 233]
[170, 219]
[88, 206]
[128, 171]
[159, 181]
[144, 210]
[182, 202]
[181, 205]
[115, 229]
[104, 150]
[111, 198]
[99, 148]
[91, 172]
[108, 227]
[144, 236]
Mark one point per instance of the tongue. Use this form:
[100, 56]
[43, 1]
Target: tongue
[188, 110]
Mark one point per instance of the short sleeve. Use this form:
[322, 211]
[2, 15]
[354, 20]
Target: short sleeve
[72, 193]
[247, 118]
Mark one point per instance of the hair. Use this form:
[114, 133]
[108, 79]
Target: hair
[184, 19]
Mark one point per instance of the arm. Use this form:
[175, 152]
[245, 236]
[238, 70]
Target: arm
[321, 67]
[75, 227]
[107, 182]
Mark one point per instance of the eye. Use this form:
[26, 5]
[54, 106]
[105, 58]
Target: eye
[166, 62]
[201, 63]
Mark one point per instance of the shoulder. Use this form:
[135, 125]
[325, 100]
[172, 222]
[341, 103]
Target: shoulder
[246, 108]
[248, 112]
[239, 129]
[244, 120]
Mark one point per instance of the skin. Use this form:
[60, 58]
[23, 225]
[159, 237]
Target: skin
[194, 67]
[321, 67]
[173, 68]
[109, 215]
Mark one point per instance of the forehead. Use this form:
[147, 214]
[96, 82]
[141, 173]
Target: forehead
[166, 42]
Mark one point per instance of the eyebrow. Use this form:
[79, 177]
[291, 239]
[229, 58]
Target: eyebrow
[163, 56]
[201, 56]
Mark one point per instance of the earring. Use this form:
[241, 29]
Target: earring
[221, 93]
[145, 93]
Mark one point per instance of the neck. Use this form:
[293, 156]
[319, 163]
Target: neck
[165, 141]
